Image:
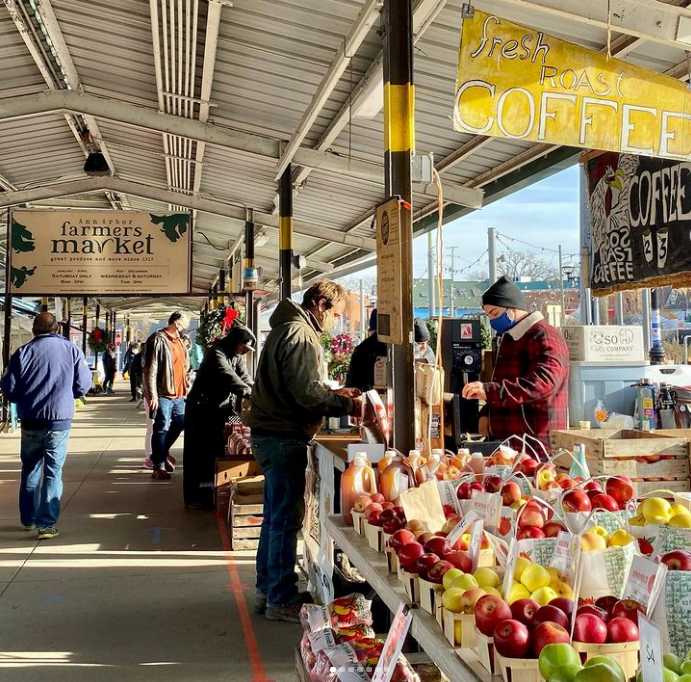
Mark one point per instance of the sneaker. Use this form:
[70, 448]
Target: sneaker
[260, 604]
[170, 467]
[48, 533]
[290, 613]
[148, 463]
[160, 475]
[28, 526]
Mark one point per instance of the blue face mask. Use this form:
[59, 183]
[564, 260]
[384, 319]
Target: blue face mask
[502, 323]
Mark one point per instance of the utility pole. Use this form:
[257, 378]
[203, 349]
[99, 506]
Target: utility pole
[492, 254]
[430, 275]
[561, 286]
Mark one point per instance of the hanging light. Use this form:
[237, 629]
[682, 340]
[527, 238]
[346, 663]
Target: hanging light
[96, 165]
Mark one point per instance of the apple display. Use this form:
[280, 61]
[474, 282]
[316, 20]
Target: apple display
[531, 516]
[409, 554]
[621, 630]
[590, 629]
[489, 612]
[545, 634]
[524, 610]
[437, 545]
[551, 614]
[510, 493]
[438, 571]
[460, 559]
[576, 500]
[678, 560]
[400, 538]
[604, 501]
[627, 608]
[620, 488]
[552, 528]
[425, 563]
[511, 639]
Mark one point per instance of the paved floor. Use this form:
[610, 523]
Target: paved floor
[135, 587]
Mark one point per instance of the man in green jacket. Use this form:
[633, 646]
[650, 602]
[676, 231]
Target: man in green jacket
[289, 402]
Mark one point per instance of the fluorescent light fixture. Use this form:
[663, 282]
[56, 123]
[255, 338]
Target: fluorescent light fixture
[371, 102]
[261, 240]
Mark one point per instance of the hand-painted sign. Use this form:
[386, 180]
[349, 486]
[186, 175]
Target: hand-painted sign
[100, 253]
[519, 83]
[640, 218]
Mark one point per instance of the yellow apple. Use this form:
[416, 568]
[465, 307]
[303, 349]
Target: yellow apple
[451, 599]
[521, 564]
[656, 520]
[534, 577]
[458, 632]
[677, 508]
[494, 591]
[599, 530]
[465, 582]
[518, 504]
[563, 590]
[655, 507]
[620, 538]
[592, 541]
[487, 577]
[450, 576]
[681, 521]
[637, 520]
[517, 592]
[544, 595]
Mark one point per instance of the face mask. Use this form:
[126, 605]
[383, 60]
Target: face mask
[502, 323]
[328, 321]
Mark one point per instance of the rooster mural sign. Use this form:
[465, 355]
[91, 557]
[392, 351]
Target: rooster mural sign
[640, 222]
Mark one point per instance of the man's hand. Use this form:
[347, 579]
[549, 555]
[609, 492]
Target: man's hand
[153, 404]
[348, 392]
[357, 410]
[483, 426]
[475, 390]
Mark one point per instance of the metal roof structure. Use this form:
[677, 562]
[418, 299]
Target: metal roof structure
[202, 103]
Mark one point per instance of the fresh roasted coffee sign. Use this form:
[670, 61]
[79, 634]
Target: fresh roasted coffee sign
[640, 222]
[103, 252]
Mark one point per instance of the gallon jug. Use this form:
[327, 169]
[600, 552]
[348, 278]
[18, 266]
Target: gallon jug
[415, 459]
[385, 461]
[358, 479]
[428, 471]
[395, 479]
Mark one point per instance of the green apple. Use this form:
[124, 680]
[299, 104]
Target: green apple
[669, 675]
[555, 656]
[672, 662]
[600, 672]
[465, 582]
[566, 673]
[450, 576]
[686, 668]
[684, 678]
[606, 660]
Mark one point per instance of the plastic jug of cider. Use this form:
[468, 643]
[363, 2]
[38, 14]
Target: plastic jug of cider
[397, 478]
[358, 479]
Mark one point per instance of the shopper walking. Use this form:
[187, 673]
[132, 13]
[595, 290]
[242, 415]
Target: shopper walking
[365, 356]
[130, 367]
[109, 368]
[289, 401]
[43, 378]
[165, 388]
[221, 384]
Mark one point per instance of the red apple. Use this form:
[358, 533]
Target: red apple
[593, 485]
[425, 563]
[459, 559]
[387, 505]
[424, 538]
[436, 573]
[390, 526]
[592, 494]
[606, 604]
[678, 560]
[620, 488]
[400, 538]
[441, 533]
[531, 515]
[400, 512]
[603, 501]
[547, 633]
[361, 503]
[592, 610]
[564, 604]
[553, 528]
[387, 514]
[510, 493]
[576, 501]
[551, 614]
[530, 533]
[489, 612]
[378, 497]
[463, 491]
[511, 639]
[645, 546]
[524, 610]
[371, 508]
[567, 483]
[527, 466]
[590, 629]
[438, 545]
[409, 554]
[627, 608]
[374, 518]
[493, 484]
[621, 630]
[449, 510]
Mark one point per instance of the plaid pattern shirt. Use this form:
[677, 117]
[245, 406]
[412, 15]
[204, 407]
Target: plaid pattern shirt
[529, 388]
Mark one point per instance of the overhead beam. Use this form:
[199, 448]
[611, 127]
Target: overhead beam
[659, 22]
[131, 114]
[197, 202]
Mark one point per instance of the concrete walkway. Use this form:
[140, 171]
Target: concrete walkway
[135, 587]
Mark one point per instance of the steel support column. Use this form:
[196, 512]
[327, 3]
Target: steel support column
[68, 322]
[399, 138]
[249, 282]
[285, 234]
[657, 352]
[85, 312]
[8, 298]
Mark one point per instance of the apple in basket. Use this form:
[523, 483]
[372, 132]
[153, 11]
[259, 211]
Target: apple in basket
[449, 511]
[627, 608]
[390, 526]
[590, 629]
[621, 630]
[409, 554]
[604, 501]
[620, 488]
[548, 633]
[564, 604]
[593, 610]
[493, 484]
[378, 498]
[425, 563]
[546, 474]
[460, 559]
[361, 503]
[576, 500]
[511, 639]
[524, 610]
[553, 528]
[437, 572]
[438, 545]
[490, 610]
[607, 603]
[551, 614]
[400, 538]
[530, 533]
[531, 515]
[527, 466]
[510, 493]
[678, 560]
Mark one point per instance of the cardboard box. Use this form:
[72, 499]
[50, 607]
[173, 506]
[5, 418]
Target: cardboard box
[235, 467]
[609, 343]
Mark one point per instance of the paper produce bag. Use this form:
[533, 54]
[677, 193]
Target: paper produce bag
[673, 613]
[605, 570]
[424, 503]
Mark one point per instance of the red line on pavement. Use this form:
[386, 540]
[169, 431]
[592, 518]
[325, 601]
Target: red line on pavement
[258, 672]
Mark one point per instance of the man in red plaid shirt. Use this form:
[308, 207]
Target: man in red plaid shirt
[528, 393]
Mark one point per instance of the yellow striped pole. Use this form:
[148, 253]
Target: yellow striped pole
[285, 233]
[399, 139]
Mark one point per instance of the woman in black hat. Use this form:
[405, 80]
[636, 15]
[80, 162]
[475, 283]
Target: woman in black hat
[222, 382]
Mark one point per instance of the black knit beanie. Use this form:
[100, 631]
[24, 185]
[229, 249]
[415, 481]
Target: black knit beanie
[421, 331]
[504, 293]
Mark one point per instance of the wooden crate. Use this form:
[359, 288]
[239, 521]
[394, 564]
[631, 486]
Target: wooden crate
[518, 669]
[244, 524]
[484, 648]
[358, 522]
[463, 624]
[625, 653]
[375, 537]
[391, 560]
[411, 586]
[428, 596]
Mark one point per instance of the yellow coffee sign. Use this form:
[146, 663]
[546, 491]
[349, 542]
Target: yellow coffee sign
[518, 83]
[82, 253]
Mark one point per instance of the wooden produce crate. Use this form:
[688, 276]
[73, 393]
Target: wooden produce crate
[459, 629]
[375, 537]
[519, 669]
[411, 586]
[428, 596]
[625, 654]
[652, 460]
[245, 513]
[484, 648]
[358, 522]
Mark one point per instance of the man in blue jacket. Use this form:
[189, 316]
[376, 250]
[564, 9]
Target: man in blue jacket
[43, 379]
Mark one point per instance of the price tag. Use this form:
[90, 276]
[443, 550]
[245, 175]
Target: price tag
[644, 582]
[461, 528]
[651, 650]
[487, 506]
[447, 492]
[510, 568]
[564, 557]
[345, 664]
[476, 542]
[393, 645]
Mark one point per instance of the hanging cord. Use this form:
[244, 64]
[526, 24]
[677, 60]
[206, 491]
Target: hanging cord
[439, 279]
[609, 29]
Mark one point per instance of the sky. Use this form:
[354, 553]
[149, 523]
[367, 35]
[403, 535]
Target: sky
[544, 215]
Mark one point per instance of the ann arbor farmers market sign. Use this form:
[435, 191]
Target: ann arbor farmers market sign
[104, 252]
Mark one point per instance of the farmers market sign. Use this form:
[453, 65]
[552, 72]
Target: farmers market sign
[99, 252]
[515, 82]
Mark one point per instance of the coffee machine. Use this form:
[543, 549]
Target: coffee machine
[461, 355]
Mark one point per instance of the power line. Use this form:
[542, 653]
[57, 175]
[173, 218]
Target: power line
[532, 246]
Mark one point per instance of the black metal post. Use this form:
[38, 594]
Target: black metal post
[399, 137]
[285, 232]
[68, 321]
[222, 286]
[657, 351]
[44, 304]
[249, 282]
[85, 322]
[7, 335]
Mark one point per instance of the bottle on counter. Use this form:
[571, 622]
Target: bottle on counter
[385, 461]
[428, 471]
[358, 479]
[477, 463]
[397, 478]
[415, 459]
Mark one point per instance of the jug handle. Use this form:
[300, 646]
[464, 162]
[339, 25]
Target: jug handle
[369, 473]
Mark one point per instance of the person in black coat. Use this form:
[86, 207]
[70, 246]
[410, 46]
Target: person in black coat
[361, 370]
[109, 368]
[222, 382]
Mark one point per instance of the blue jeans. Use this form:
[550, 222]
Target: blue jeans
[43, 456]
[283, 462]
[169, 423]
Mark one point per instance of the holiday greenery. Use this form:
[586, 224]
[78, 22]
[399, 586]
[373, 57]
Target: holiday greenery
[98, 340]
[215, 324]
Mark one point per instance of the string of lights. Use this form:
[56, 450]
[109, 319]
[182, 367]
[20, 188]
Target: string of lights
[532, 246]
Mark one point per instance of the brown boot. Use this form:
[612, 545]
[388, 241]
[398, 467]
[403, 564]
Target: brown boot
[160, 475]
